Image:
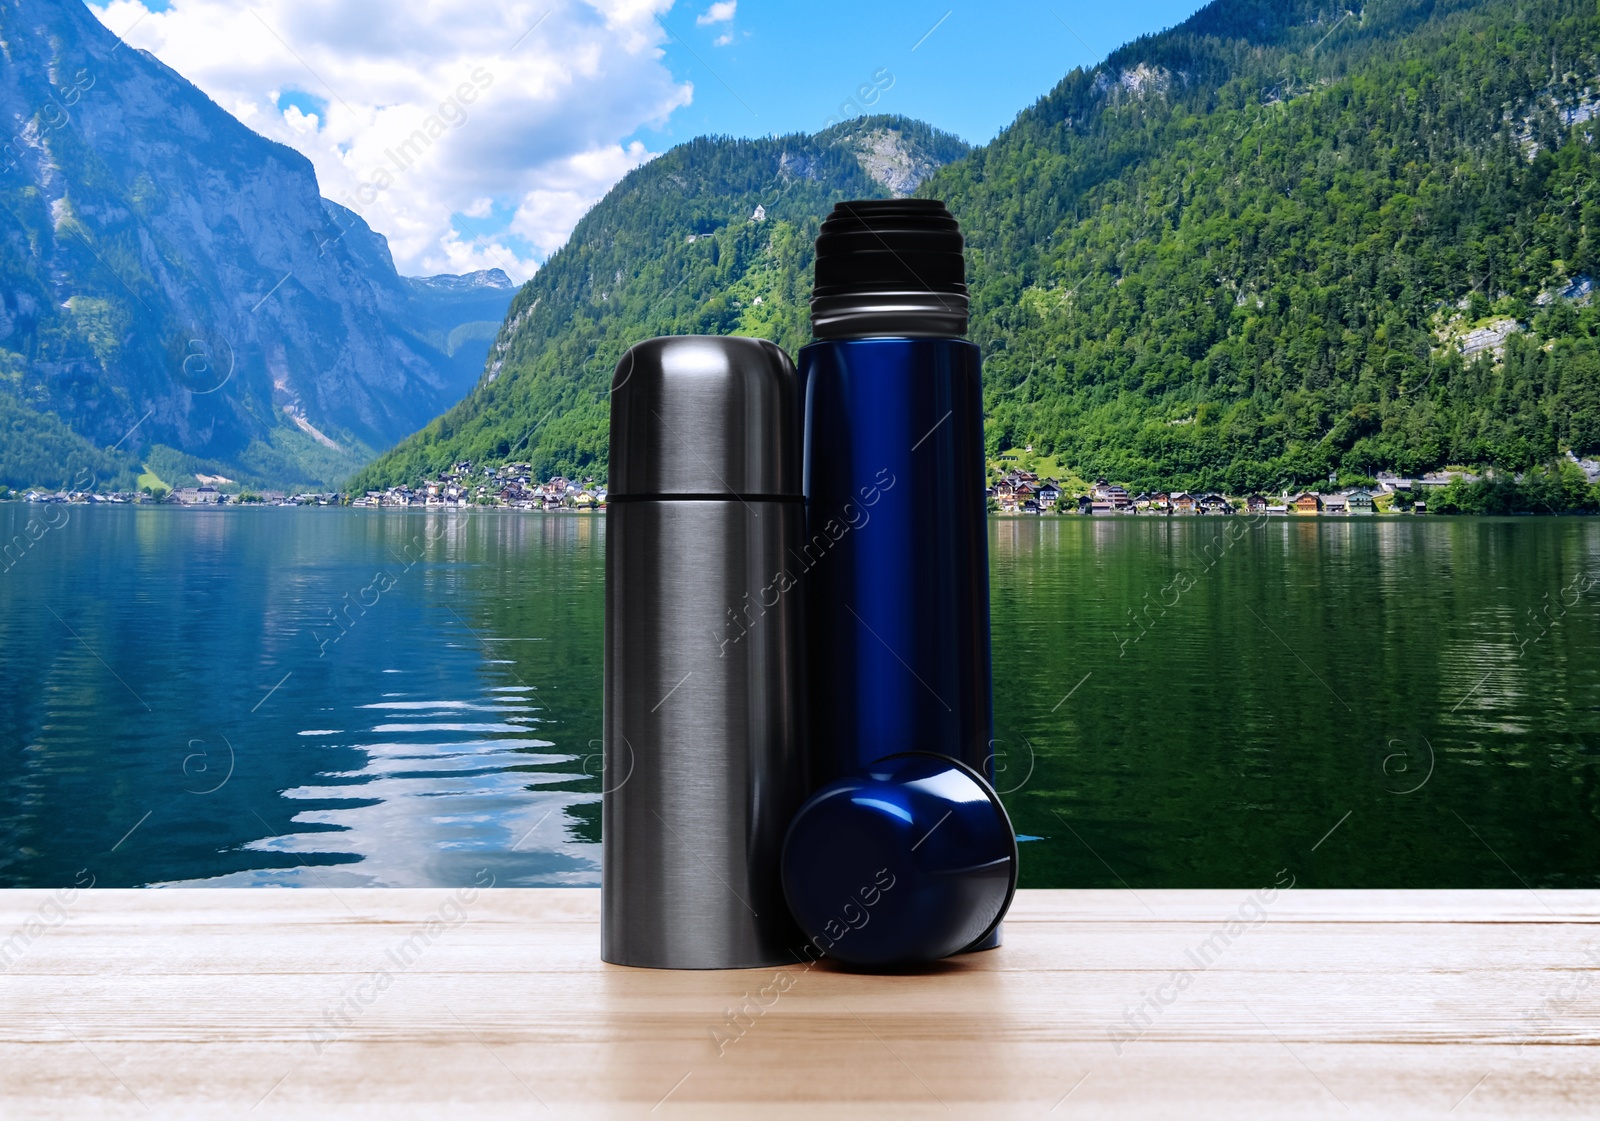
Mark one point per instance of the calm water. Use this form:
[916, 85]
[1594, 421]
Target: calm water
[335, 697]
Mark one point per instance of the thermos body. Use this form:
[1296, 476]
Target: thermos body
[703, 739]
[898, 574]
[896, 552]
[704, 656]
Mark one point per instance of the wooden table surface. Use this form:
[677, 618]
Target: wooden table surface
[397, 1004]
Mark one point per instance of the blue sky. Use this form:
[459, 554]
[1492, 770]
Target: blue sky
[512, 118]
[968, 69]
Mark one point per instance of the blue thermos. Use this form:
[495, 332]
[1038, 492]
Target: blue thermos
[896, 551]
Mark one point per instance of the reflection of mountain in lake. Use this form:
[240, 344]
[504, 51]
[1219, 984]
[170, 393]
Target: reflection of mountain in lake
[450, 786]
[301, 697]
[1200, 699]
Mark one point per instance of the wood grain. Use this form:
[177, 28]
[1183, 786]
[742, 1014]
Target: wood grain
[399, 1004]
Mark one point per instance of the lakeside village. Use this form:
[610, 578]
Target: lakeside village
[1023, 492]
[509, 486]
[1013, 490]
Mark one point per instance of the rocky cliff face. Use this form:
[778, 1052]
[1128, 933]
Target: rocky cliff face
[173, 285]
[898, 166]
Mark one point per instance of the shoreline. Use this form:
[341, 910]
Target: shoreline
[993, 515]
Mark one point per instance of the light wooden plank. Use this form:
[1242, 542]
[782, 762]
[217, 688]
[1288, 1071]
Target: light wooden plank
[232, 1003]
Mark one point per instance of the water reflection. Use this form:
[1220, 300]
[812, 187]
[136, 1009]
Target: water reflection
[1240, 696]
[437, 801]
[290, 697]
[337, 697]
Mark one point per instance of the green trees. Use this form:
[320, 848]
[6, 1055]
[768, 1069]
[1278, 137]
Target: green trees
[1559, 487]
[1268, 276]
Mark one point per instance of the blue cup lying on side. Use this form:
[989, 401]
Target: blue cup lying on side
[907, 861]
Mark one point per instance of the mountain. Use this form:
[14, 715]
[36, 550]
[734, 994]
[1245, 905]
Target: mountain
[176, 294]
[1280, 240]
[458, 317]
[712, 237]
[1285, 240]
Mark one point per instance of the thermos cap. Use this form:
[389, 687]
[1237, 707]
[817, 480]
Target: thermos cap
[705, 416]
[890, 267]
[910, 860]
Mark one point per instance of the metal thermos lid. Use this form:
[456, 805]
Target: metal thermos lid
[705, 416]
[907, 861]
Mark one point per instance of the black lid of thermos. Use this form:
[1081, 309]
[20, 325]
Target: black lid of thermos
[703, 415]
[704, 681]
[890, 267]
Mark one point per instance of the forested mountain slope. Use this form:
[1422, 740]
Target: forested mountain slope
[1255, 248]
[1278, 241]
[677, 247]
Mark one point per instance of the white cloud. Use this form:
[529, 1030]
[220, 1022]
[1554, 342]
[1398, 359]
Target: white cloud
[568, 192]
[430, 120]
[301, 123]
[722, 40]
[720, 12]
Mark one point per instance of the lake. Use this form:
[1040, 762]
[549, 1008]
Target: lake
[334, 697]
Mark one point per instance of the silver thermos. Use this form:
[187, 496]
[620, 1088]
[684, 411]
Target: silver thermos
[704, 658]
